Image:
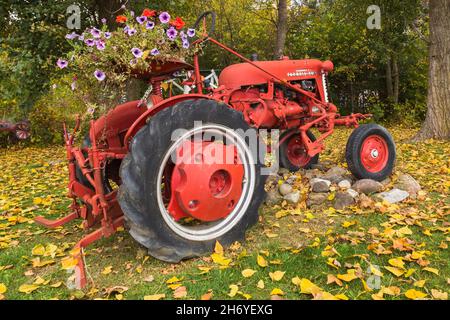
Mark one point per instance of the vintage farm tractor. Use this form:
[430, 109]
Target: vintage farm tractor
[176, 193]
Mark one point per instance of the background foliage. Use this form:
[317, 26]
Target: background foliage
[32, 39]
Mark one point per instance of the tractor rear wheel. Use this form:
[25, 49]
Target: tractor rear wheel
[293, 154]
[178, 195]
[370, 152]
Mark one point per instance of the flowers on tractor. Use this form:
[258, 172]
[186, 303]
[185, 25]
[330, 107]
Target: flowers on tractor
[107, 35]
[172, 33]
[100, 75]
[164, 17]
[137, 52]
[148, 13]
[96, 33]
[71, 36]
[101, 45]
[90, 42]
[191, 32]
[62, 63]
[178, 23]
[149, 25]
[141, 19]
[154, 52]
[121, 19]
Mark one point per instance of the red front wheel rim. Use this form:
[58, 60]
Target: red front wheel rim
[374, 153]
[296, 152]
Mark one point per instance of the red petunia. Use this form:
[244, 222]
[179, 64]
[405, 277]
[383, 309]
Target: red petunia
[148, 13]
[121, 19]
[178, 23]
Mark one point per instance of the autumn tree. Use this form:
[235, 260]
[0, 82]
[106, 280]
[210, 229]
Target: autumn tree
[282, 26]
[437, 121]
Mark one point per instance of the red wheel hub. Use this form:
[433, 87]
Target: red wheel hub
[296, 152]
[206, 182]
[374, 153]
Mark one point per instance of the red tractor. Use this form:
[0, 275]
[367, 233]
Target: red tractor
[159, 166]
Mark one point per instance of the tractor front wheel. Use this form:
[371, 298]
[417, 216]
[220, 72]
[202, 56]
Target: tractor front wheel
[370, 152]
[292, 153]
[190, 179]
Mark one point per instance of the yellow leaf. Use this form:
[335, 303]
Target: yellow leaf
[180, 292]
[392, 291]
[220, 259]
[332, 279]
[174, 286]
[38, 250]
[56, 284]
[432, 270]
[204, 269]
[409, 272]
[414, 294]
[349, 276]
[277, 275]
[307, 287]
[276, 292]
[173, 280]
[37, 200]
[233, 290]
[218, 248]
[341, 296]
[2, 288]
[376, 271]
[68, 263]
[396, 271]
[28, 288]
[439, 294]
[155, 297]
[296, 281]
[347, 224]
[107, 270]
[404, 231]
[397, 262]
[260, 284]
[207, 296]
[261, 261]
[248, 273]
[420, 283]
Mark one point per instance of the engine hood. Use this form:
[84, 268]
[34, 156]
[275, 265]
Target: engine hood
[245, 74]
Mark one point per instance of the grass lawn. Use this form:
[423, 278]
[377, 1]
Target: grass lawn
[327, 254]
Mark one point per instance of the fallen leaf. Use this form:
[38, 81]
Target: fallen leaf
[107, 270]
[248, 273]
[277, 275]
[260, 284]
[277, 292]
[180, 292]
[28, 288]
[432, 270]
[398, 272]
[261, 261]
[155, 297]
[439, 294]
[233, 290]
[414, 294]
[2, 288]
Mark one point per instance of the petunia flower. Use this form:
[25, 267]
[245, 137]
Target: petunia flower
[71, 36]
[148, 13]
[100, 75]
[96, 33]
[154, 52]
[191, 32]
[137, 52]
[61, 63]
[107, 35]
[131, 32]
[149, 25]
[186, 44]
[164, 17]
[103, 21]
[89, 42]
[172, 33]
[101, 45]
[141, 19]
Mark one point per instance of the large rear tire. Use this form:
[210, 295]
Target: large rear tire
[141, 195]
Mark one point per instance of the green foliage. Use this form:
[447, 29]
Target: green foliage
[46, 125]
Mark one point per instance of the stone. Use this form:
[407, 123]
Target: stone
[318, 166]
[365, 201]
[367, 186]
[292, 179]
[285, 189]
[273, 197]
[310, 174]
[353, 193]
[345, 184]
[293, 197]
[334, 178]
[316, 199]
[393, 196]
[386, 182]
[342, 200]
[338, 171]
[407, 183]
[320, 185]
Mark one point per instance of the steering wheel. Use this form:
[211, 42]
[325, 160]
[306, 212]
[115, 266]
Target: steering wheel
[203, 16]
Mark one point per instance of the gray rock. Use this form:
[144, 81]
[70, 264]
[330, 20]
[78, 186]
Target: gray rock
[407, 183]
[367, 186]
[310, 174]
[386, 181]
[273, 178]
[393, 196]
[338, 171]
[292, 179]
[273, 197]
[342, 200]
[333, 178]
[316, 199]
[353, 193]
[320, 185]
[285, 189]
[345, 184]
[318, 166]
[293, 197]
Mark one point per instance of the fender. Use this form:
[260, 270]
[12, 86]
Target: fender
[140, 122]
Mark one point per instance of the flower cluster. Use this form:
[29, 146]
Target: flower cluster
[101, 55]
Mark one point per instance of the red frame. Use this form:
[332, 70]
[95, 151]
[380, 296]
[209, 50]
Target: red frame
[101, 209]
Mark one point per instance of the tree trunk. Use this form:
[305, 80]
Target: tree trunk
[389, 85]
[396, 78]
[437, 122]
[281, 28]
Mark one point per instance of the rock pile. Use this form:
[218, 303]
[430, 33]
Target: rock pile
[326, 185]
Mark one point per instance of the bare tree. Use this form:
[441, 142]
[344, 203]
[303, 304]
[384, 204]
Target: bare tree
[437, 122]
[281, 28]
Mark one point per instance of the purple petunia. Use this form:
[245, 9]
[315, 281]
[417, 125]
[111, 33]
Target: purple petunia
[154, 52]
[100, 75]
[164, 17]
[141, 19]
[107, 35]
[172, 33]
[131, 32]
[149, 25]
[126, 28]
[96, 33]
[104, 21]
[137, 52]
[72, 36]
[186, 44]
[133, 62]
[101, 45]
[61, 63]
[90, 42]
[191, 32]
[81, 38]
